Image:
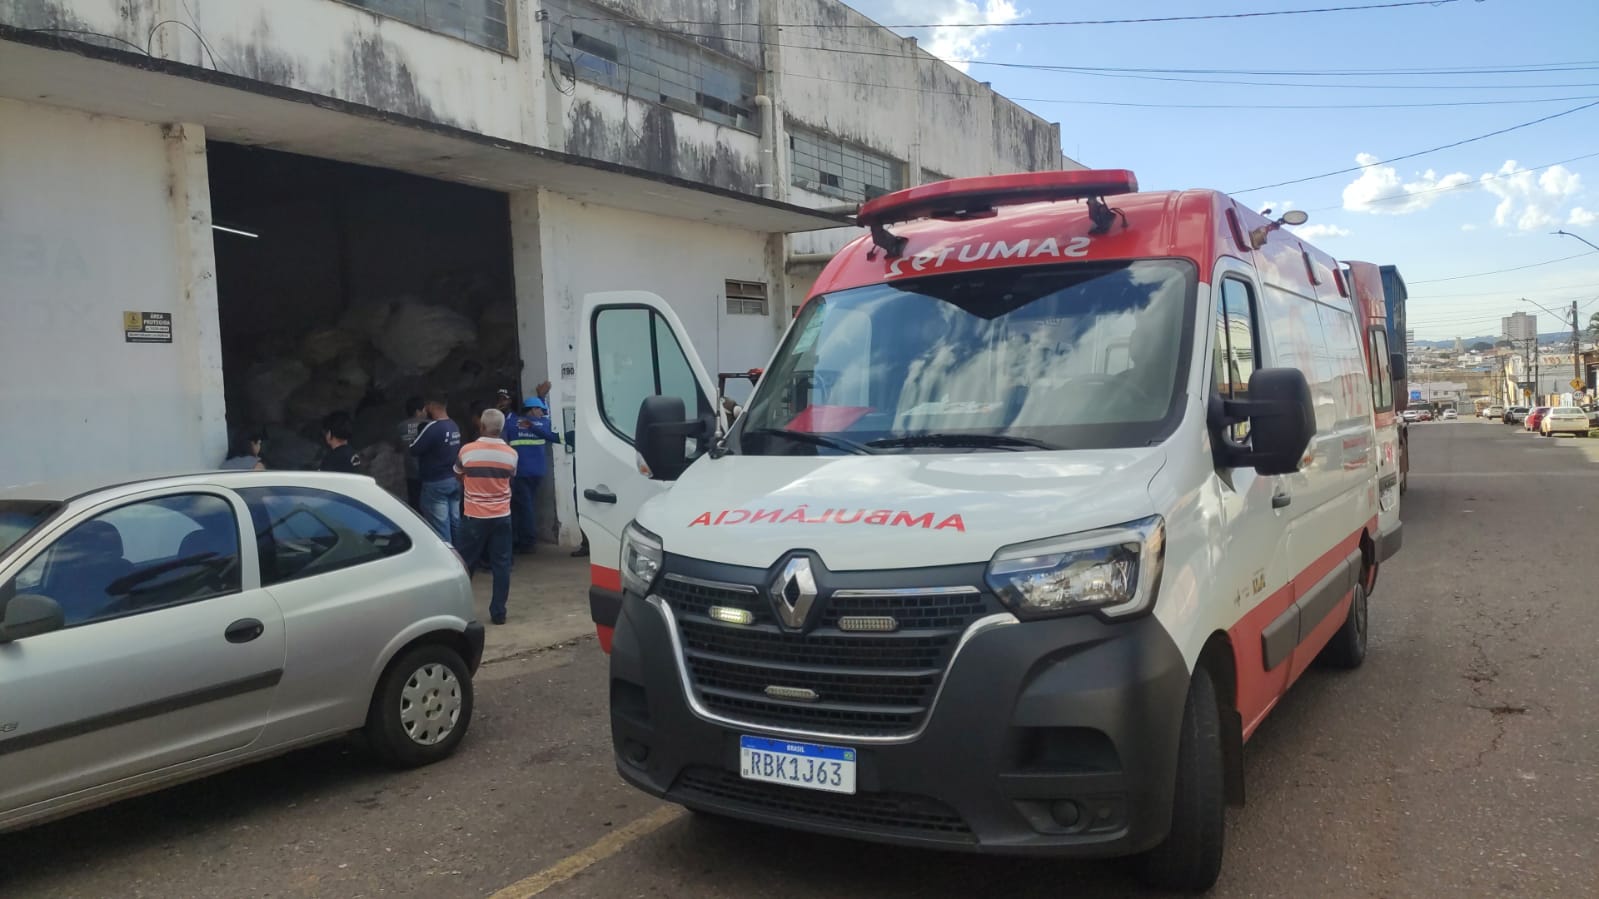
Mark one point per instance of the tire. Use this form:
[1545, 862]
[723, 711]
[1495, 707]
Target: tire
[422, 707]
[1347, 648]
[1189, 859]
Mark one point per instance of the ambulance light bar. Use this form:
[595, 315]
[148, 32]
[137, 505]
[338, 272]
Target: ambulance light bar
[973, 197]
[965, 196]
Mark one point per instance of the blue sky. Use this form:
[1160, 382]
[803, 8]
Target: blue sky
[1433, 216]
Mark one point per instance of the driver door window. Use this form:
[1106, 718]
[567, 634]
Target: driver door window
[148, 555]
[636, 356]
[1235, 355]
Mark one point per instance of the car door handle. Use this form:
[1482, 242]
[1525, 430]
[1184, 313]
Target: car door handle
[599, 496]
[1281, 501]
[244, 630]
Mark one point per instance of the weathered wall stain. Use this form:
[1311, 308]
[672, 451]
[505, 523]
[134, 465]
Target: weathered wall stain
[656, 146]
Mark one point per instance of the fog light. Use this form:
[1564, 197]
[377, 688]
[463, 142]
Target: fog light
[635, 753]
[1065, 812]
[730, 615]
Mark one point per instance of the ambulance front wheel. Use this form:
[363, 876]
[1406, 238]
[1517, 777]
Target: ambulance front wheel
[1189, 859]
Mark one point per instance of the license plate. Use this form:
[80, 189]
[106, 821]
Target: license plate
[804, 765]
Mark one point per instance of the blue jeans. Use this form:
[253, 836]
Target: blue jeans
[440, 506]
[493, 535]
[524, 510]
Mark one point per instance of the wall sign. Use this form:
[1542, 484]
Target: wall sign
[147, 327]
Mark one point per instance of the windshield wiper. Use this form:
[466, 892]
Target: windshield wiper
[838, 443]
[984, 441]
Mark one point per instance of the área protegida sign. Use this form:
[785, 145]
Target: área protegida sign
[147, 327]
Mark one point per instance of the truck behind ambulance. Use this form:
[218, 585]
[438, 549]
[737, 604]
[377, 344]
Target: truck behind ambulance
[1049, 493]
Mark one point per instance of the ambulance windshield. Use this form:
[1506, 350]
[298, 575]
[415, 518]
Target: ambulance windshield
[1080, 356]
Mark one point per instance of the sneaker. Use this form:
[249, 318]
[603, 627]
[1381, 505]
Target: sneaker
[499, 620]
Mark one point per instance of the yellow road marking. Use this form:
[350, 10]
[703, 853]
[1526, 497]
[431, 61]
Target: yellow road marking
[602, 849]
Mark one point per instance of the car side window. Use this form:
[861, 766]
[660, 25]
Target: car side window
[139, 557]
[1235, 358]
[301, 532]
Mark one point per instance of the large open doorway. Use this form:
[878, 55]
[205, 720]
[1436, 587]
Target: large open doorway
[347, 288]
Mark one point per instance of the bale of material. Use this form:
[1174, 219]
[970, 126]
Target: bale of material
[417, 338]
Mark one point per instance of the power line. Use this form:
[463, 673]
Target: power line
[972, 95]
[1147, 20]
[1504, 270]
[1448, 146]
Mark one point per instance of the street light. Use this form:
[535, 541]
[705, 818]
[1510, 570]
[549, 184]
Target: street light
[1583, 239]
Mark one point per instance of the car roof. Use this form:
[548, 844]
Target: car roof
[112, 485]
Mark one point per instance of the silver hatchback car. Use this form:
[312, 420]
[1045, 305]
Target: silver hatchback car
[157, 631]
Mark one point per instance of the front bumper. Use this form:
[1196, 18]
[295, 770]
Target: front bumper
[1030, 715]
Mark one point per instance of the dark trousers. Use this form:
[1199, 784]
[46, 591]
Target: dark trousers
[413, 492]
[493, 537]
[524, 511]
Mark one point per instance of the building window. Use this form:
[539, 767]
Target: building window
[931, 177]
[746, 298]
[481, 22]
[643, 62]
[826, 165]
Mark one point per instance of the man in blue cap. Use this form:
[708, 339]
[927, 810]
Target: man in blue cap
[530, 435]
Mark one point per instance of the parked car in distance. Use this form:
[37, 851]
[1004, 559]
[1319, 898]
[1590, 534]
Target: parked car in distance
[1493, 412]
[1424, 415]
[1535, 417]
[1515, 414]
[160, 630]
[1411, 415]
[1565, 420]
[1450, 415]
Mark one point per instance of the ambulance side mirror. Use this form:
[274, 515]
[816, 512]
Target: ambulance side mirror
[662, 434]
[1282, 422]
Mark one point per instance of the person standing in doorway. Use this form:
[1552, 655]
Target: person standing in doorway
[437, 444]
[244, 453]
[410, 425]
[486, 467]
[337, 430]
[530, 435]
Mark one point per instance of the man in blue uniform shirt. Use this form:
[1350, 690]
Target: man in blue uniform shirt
[436, 447]
[530, 435]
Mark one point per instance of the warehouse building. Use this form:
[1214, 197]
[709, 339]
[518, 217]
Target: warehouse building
[219, 213]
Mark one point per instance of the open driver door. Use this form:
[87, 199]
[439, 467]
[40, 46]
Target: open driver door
[634, 365]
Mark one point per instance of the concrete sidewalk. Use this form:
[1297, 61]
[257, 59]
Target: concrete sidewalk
[549, 604]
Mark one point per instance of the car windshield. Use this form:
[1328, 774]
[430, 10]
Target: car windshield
[1058, 357]
[19, 516]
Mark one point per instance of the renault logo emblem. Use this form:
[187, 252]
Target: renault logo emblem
[794, 592]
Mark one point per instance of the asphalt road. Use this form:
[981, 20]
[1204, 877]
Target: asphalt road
[1461, 760]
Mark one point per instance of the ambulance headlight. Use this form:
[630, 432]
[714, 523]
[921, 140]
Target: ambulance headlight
[641, 560]
[1115, 572]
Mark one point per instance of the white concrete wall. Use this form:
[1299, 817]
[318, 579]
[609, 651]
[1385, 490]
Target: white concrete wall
[323, 47]
[98, 217]
[584, 249]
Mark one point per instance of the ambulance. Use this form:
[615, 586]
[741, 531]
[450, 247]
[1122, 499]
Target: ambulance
[1048, 494]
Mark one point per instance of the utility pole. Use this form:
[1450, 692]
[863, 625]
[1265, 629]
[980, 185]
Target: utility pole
[1576, 350]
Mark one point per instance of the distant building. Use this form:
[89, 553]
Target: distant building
[1520, 327]
[1460, 347]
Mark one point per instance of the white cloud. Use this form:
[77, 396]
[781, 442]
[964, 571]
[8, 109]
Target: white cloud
[975, 20]
[1320, 232]
[1581, 216]
[1380, 189]
[1531, 201]
[1277, 207]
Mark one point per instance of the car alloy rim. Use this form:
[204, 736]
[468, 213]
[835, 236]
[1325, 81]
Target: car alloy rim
[430, 704]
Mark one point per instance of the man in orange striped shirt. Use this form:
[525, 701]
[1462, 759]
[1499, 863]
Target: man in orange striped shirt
[485, 467]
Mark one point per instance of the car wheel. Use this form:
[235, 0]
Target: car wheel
[421, 708]
[1347, 648]
[1189, 859]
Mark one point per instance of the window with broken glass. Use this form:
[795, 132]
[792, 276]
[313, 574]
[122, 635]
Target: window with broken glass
[482, 22]
[646, 63]
[826, 165]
